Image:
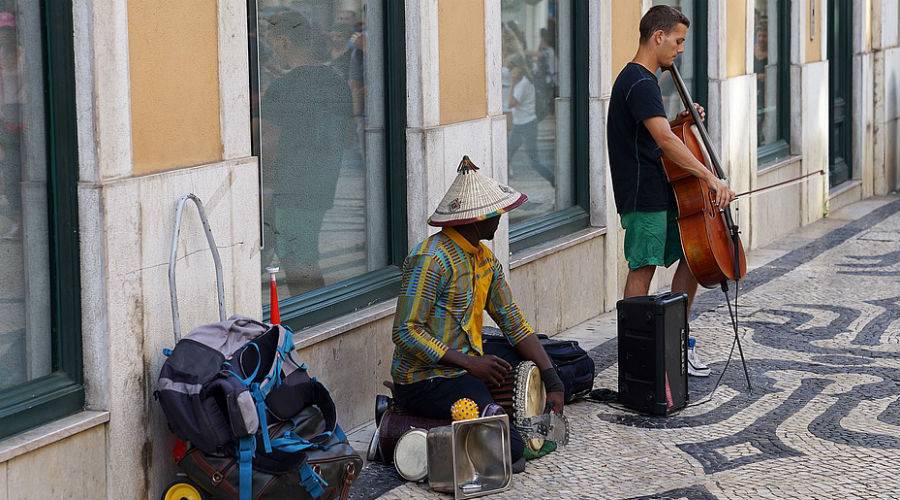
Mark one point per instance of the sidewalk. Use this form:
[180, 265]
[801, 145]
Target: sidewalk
[820, 326]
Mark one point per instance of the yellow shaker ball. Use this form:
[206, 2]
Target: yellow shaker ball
[464, 409]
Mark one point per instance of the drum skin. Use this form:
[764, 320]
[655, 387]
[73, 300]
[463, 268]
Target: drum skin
[522, 395]
[411, 455]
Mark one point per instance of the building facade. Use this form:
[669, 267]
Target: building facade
[320, 135]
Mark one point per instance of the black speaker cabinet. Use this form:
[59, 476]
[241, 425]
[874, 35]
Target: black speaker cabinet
[653, 339]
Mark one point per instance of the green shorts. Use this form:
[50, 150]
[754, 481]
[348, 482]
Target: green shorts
[651, 238]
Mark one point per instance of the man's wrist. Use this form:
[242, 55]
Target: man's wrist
[552, 382]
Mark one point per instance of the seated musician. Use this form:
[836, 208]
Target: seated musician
[638, 134]
[449, 280]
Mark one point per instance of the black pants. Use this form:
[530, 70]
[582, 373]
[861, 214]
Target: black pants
[433, 398]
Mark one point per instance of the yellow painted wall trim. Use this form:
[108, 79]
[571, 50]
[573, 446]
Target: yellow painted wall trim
[626, 16]
[736, 37]
[813, 32]
[463, 80]
[174, 69]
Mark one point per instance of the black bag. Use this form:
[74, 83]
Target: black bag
[574, 366]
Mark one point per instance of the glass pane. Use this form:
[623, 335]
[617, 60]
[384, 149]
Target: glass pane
[685, 63]
[537, 101]
[25, 347]
[321, 119]
[765, 65]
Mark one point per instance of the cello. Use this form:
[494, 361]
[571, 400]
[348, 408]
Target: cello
[710, 239]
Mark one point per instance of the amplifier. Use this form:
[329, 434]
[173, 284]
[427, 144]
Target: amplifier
[653, 336]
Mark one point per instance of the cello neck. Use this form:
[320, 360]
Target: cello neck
[689, 105]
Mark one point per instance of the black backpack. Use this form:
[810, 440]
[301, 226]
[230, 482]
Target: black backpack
[574, 366]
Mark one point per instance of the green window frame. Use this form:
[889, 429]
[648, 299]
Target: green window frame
[61, 392]
[548, 227]
[781, 148]
[331, 301]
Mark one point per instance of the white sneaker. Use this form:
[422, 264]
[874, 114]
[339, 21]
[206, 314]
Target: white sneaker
[696, 368]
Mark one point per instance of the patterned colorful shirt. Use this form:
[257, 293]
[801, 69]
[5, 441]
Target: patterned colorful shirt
[447, 283]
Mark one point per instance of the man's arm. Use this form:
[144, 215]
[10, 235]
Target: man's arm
[419, 287]
[506, 313]
[676, 151]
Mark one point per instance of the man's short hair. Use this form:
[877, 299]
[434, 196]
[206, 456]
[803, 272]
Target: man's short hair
[661, 17]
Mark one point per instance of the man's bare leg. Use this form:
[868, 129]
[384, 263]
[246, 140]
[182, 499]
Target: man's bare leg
[684, 281]
[637, 283]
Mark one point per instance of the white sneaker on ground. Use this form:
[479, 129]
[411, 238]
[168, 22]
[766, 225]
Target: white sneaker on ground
[696, 368]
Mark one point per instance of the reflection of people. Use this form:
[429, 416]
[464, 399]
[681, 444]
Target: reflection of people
[760, 61]
[448, 281]
[10, 126]
[638, 134]
[305, 114]
[521, 102]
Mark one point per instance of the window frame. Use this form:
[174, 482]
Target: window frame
[780, 149]
[346, 296]
[547, 227]
[701, 52]
[60, 393]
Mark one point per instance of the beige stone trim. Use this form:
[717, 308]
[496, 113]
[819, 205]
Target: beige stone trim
[50, 433]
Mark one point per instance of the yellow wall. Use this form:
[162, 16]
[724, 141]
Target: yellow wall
[173, 57]
[814, 28]
[626, 22]
[462, 60]
[736, 37]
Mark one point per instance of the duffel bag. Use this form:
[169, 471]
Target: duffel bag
[333, 459]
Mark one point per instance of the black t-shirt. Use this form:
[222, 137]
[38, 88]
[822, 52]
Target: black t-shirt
[639, 182]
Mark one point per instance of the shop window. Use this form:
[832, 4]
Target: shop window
[771, 63]
[544, 84]
[40, 314]
[328, 115]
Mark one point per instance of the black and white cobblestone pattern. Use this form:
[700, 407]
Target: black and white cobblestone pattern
[820, 328]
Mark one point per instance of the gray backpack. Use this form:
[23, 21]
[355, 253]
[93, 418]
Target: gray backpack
[226, 383]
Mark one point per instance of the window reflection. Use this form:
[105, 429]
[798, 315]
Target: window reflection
[25, 343]
[536, 82]
[321, 142]
[766, 66]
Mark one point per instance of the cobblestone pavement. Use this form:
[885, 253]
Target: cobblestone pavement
[820, 326]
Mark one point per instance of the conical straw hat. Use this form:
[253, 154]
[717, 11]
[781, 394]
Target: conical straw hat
[473, 197]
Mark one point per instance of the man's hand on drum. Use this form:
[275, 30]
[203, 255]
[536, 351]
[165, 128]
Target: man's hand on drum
[491, 369]
[557, 400]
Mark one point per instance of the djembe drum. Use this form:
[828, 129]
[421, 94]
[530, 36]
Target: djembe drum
[522, 395]
[394, 424]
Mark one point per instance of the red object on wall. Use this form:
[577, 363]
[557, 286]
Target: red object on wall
[274, 315]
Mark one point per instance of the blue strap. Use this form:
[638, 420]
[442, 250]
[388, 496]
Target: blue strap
[313, 483]
[293, 444]
[339, 433]
[252, 376]
[261, 411]
[167, 352]
[246, 449]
